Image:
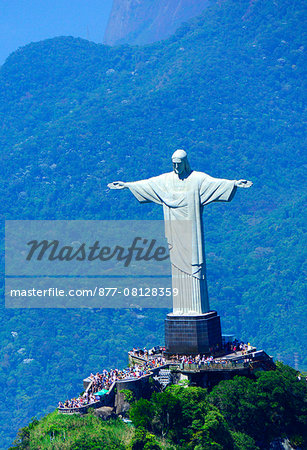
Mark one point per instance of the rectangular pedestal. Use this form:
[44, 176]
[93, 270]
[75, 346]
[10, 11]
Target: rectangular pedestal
[191, 335]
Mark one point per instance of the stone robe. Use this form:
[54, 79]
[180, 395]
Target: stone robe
[183, 201]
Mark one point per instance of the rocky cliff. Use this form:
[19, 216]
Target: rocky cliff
[146, 21]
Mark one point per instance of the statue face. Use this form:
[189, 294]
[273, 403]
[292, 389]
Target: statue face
[179, 167]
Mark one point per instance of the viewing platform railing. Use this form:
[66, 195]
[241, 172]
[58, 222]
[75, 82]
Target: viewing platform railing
[79, 409]
[234, 363]
[211, 366]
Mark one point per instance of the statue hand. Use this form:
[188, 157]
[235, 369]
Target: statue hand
[117, 185]
[243, 183]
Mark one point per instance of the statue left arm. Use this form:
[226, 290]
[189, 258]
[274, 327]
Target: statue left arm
[216, 190]
[219, 189]
[243, 183]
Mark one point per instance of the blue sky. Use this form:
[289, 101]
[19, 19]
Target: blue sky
[25, 21]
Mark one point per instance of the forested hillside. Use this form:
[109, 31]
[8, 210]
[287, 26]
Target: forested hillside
[229, 88]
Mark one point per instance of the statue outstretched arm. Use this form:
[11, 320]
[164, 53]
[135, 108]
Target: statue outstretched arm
[145, 191]
[117, 185]
[243, 183]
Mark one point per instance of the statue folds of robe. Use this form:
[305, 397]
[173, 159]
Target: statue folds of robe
[183, 201]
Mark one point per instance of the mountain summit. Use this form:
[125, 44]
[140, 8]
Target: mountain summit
[146, 21]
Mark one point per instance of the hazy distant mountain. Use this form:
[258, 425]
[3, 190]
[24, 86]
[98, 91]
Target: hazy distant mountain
[146, 21]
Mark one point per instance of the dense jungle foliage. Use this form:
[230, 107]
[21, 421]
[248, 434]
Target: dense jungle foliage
[241, 413]
[229, 88]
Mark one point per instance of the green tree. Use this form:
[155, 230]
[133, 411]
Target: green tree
[87, 442]
[242, 441]
[141, 413]
[129, 395]
[273, 405]
[142, 440]
[168, 418]
[284, 398]
[216, 431]
[238, 400]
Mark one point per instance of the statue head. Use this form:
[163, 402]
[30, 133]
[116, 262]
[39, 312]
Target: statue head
[181, 164]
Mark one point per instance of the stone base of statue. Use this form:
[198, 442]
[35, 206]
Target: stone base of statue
[189, 334]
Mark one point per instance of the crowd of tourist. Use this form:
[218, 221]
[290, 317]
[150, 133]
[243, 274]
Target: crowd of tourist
[152, 358]
[229, 347]
[105, 380]
[156, 361]
[78, 402]
[147, 354]
[156, 353]
[237, 346]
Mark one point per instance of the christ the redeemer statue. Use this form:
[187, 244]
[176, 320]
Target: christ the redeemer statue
[183, 194]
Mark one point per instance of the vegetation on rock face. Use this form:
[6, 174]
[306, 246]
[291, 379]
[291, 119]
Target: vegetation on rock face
[73, 432]
[237, 414]
[229, 88]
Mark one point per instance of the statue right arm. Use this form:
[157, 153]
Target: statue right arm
[145, 191]
[148, 190]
